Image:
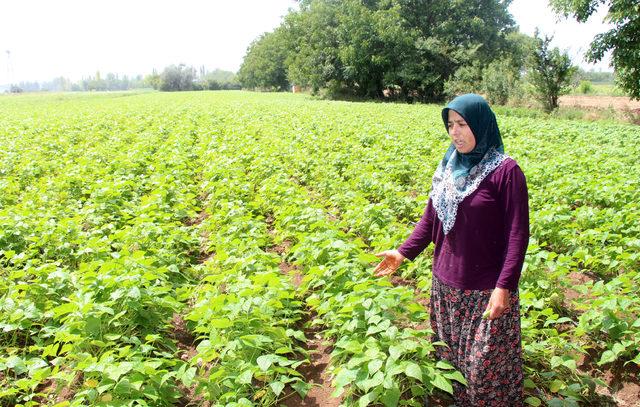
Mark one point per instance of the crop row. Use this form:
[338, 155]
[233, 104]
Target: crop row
[119, 214]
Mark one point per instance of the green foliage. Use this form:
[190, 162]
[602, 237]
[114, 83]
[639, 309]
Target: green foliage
[119, 213]
[622, 40]
[218, 79]
[364, 48]
[466, 79]
[597, 77]
[585, 87]
[550, 72]
[264, 64]
[500, 81]
[153, 80]
[177, 78]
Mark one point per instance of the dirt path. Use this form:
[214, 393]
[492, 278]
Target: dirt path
[600, 102]
[316, 374]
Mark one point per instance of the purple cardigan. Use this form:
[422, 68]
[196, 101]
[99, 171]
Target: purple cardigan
[486, 247]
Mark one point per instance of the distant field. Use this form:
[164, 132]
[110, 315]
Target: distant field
[192, 248]
[600, 102]
[600, 89]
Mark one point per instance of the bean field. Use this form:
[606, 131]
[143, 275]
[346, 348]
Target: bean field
[202, 249]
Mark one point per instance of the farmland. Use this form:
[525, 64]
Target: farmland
[182, 249]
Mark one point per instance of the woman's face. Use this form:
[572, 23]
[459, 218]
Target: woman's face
[460, 133]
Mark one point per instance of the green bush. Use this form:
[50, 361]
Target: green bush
[585, 87]
[500, 80]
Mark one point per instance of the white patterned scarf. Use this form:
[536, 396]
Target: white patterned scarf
[448, 191]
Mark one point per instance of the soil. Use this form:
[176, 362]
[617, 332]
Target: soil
[576, 278]
[316, 374]
[293, 271]
[198, 219]
[69, 391]
[44, 389]
[184, 339]
[623, 381]
[186, 351]
[281, 248]
[600, 102]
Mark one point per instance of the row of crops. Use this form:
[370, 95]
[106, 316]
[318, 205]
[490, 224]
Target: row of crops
[123, 216]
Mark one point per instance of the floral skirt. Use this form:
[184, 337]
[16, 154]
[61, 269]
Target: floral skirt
[487, 352]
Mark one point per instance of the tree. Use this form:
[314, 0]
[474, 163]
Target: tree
[177, 78]
[362, 47]
[263, 66]
[500, 81]
[153, 80]
[623, 39]
[218, 79]
[550, 72]
[311, 35]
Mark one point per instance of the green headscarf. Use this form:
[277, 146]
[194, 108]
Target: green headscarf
[479, 116]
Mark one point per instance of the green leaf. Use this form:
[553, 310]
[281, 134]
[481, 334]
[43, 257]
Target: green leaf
[395, 351]
[188, 376]
[265, 361]
[618, 348]
[374, 366]
[457, 376]
[367, 399]
[442, 364]
[245, 377]
[115, 371]
[368, 384]
[277, 387]
[533, 401]
[607, 357]
[64, 309]
[556, 385]
[93, 325]
[221, 323]
[413, 370]
[442, 383]
[391, 397]
[367, 258]
[529, 384]
[344, 377]
[302, 388]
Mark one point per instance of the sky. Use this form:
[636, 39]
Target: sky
[75, 39]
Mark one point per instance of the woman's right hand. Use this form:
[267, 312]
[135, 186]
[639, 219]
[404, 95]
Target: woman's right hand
[390, 263]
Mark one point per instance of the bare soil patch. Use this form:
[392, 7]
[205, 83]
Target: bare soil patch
[198, 219]
[67, 393]
[183, 337]
[623, 381]
[185, 342]
[316, 374]
[280, 248]
[600, 102]
[575, 278]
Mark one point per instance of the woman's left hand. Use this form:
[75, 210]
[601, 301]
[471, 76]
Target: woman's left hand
[498, 303]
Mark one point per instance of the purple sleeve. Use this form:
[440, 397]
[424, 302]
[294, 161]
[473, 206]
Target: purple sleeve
[515, 201]
[421, 235]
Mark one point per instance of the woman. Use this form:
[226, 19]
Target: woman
[478, 219]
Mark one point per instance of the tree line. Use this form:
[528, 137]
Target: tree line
[413, 50]
[185, 78]
[172, 78]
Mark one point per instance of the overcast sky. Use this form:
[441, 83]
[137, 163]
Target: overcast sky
[75, 38]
